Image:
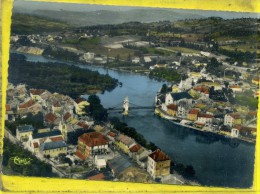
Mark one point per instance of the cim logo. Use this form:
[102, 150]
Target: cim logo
[21, 161]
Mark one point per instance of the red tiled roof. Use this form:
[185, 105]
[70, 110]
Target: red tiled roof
[56, 138]
[194, 111]
[50, 117]
[67, 116]
[135, 148]
[203, 89]
[99, 176]
[36, 91]
[158, 155]
[80, 155]
[83, 125]
[27, 104]
[93, 139]
[253, 113]
[8, 107]
[35, 145]
[111, 134]
[235, 115]
[243, 128]
[172, 106]
[205, 115]
[79, 100]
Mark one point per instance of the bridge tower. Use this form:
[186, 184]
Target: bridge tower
[126, 106]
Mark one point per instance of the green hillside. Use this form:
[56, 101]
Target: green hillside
[27, 24]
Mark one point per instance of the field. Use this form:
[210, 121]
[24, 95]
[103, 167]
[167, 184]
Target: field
[243, 48]
[183, 50]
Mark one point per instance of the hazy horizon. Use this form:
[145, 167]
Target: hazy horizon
[30, 7]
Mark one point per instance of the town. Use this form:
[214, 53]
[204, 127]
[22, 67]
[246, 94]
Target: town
[209, 76]
[74, 145]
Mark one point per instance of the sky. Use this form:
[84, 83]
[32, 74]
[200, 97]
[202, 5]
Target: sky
[26, 6]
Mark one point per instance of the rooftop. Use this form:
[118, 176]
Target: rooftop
[159, 156]
[47, 134]
[172, 107]
[99, 176]
[181, 95]
[50, 117]
[25, 128]
[125, 140]
[235, 115]
[8, 107]
[27, 104]
[79, 100]
[205, 115]
[93, 139]
[37, 91]
[135, 148]
[53, 145]
[194, 111]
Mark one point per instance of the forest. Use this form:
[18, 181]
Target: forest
[58, 77]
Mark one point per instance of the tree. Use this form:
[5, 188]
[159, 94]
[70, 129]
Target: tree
[164, 89]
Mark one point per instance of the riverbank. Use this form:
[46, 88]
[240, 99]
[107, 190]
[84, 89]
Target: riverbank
[182, 122]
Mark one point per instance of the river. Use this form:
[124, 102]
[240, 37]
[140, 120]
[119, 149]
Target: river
[217, 161]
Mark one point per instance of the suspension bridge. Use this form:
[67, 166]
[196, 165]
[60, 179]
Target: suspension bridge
[126, 106]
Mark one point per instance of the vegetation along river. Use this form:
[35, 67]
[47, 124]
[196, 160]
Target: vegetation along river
[217, 161]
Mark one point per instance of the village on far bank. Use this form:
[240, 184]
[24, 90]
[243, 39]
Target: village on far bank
[206, 103]
[56, 129]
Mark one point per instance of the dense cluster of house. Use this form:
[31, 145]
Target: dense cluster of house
[62, 115]
[190, 104]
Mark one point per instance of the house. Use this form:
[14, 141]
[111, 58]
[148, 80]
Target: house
[256, 80]
[193, 114]
[141, 157]
[236, 88]
[205, 118]
[134, 149]
[26, 105]
[24, 132]
[118, 164]
[183, 109]
[136, 60]
[147, 59]
[100, 163]
[51, 119]
[232, 119]
[99, 176]
[81, 125]
[91, 144]
[238, 130]
[36, 94]
[158, 164]
[124, 143]
[53, 148]
[68, 117]
[175, 98]
[111, 136]
[9, 113]
[202, 90]
[80, 104]
[172, 109]
[160, 66]
[56, 107]
[35, 140]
